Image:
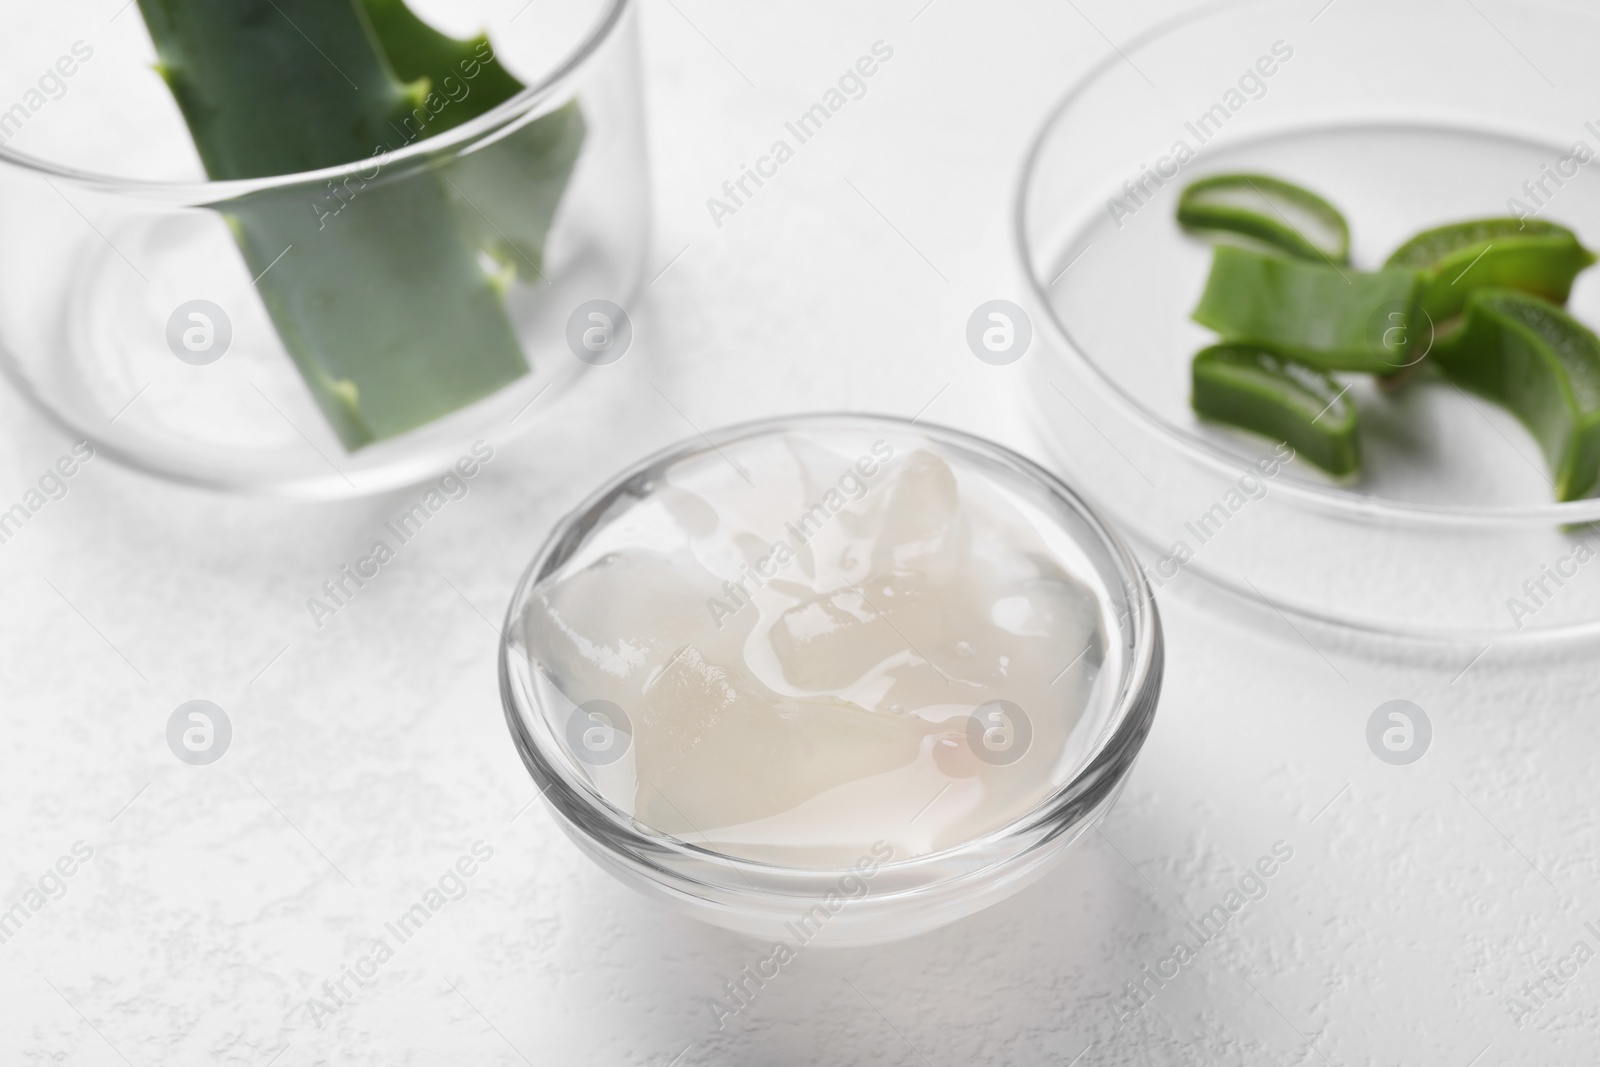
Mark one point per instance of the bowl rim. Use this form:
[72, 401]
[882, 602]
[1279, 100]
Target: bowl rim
[1337, 500]
[546, 90]
[1102, 774]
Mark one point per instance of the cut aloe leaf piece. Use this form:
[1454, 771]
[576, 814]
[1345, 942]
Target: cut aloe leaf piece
[1328, 317]
[386, 311]
[465, 74]
[260, 98]
[506, 192]
[1530, 255]
[382, 305]
[1281, 214]
[1544, 366]
[1254, 389]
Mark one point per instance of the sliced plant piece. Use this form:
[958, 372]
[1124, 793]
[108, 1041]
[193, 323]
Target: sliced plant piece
[257, 96]
[382, 305]
[506, 192]
[1544, 366]
[1530, 255]
[1254, 389]
[466, 73]
[387, 314]
[1278, 213]
[1328, 317]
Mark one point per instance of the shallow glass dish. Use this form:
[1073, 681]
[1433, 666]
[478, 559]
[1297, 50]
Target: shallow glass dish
[1449, 533]
[905, 896]
[129, 316]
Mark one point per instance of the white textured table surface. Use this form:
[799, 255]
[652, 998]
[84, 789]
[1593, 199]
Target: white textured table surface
[370, 754]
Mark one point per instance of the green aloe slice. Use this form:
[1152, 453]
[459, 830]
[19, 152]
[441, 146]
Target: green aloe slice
[383, 306]
[506, 192]
[1531, 255]
[1258, 390]
[1328, 317]
[1278, 213]
[1544, 366]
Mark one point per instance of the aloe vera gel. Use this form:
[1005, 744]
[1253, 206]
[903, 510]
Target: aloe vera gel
[800, 644]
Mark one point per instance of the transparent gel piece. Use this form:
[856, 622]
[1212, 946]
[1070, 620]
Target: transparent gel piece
[811, 647]
[716, 750]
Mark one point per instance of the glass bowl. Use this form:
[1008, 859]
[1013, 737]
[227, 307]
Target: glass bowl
[130, 317]
[1449, 534]
[789, 901]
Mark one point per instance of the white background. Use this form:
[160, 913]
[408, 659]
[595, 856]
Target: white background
[370, 754]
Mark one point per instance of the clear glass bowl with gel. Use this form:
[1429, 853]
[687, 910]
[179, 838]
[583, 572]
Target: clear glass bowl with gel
[836, 671]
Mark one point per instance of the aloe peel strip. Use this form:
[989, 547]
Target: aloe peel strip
[1544, 366]
[1257, 390]
[1269, 210]
[1538, 257]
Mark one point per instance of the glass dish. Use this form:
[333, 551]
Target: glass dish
[1449, 534]
[112, 245]
[907, 896]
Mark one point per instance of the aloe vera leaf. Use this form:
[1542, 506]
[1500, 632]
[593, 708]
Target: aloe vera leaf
[416, 50]
[388, 315]
[1535, 256]
[1541, 364]
[1328, 317]
[274, 88]
[1270, 210]
[1258, 390]
[383, 307]
[507, 192]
